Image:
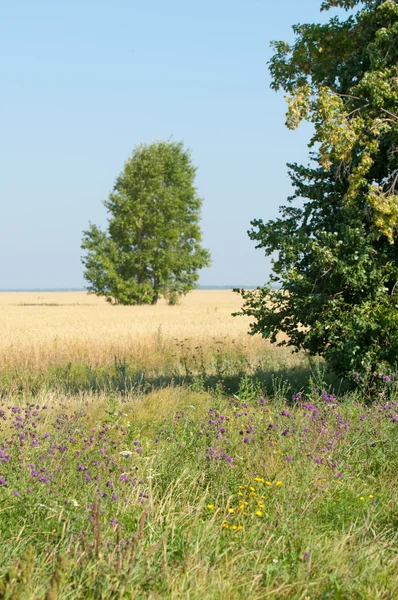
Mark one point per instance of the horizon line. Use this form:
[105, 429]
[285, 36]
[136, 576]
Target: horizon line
[77, 289]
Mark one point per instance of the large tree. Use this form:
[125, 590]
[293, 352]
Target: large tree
[152, 244]
[337, 264]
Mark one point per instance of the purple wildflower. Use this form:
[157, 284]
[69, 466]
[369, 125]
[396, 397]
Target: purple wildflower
[285, 413]
[328, 398]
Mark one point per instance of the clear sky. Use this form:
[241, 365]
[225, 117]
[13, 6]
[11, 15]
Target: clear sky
[84, 81]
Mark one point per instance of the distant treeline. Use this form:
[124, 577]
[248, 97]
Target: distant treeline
[201, 287]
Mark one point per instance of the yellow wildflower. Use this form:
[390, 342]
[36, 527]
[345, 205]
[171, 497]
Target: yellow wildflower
[268, 483]
[210, 506]
[260, 479]
[231, 511]
[278, 483]
[259, 513]
[362, 498]
[371, 496]
[225, 525]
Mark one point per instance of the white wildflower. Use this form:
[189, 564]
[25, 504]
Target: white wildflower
[126, 453]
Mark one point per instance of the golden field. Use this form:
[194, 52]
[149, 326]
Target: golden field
[40, 329]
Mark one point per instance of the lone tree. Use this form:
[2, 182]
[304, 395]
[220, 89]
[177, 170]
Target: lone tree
[152, 245]
[337, 249]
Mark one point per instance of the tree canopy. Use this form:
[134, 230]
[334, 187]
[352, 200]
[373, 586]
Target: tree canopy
[152, 244]
[343, 77]
[337, 247]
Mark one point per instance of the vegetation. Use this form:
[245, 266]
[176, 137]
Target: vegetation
[152, 246]
[337, 264]
[169, 468]
[342, 76]
[72, 342]
[46, 333]
[181, 493]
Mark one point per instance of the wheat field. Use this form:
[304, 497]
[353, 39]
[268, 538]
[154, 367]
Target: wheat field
[38, 329]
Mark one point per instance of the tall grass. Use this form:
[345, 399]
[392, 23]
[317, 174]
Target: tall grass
[54, 329]
[180, 493]
[71, 342]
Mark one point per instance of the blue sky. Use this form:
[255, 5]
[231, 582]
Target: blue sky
[83, 82]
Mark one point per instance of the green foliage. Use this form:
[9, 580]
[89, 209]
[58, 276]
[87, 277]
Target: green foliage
[343, 77]
[152, 245]
[337, 265]
[336, 293]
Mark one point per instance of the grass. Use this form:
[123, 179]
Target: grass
[70, 342]
[178, 494]
[39, 330]
[233, 472]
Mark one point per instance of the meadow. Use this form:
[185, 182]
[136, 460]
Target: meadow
[160, 452]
